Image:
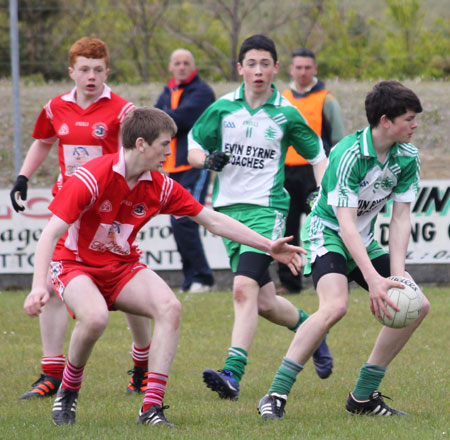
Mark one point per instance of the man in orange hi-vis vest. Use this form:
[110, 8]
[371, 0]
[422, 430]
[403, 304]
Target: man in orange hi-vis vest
[184, 98]
[323, 113]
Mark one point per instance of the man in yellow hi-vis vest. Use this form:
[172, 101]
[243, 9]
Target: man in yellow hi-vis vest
[323, 113]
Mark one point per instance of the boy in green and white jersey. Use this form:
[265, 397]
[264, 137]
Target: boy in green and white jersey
[365, 170]
[245, 136]
[257, 141]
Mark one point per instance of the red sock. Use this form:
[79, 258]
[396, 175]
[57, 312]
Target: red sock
[72, 377]
[140, 356]
[156, 388]
[53, 365]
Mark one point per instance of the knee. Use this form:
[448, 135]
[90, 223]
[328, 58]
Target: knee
[333, 313]
[170, 311]
[94, 322]
[241, 288]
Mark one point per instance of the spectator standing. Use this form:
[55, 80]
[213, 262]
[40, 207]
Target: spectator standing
[184, 98]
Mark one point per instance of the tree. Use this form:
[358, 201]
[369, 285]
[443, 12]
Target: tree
[145, 17]
[401, 42]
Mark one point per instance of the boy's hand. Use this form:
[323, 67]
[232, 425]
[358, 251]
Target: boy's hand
[216, 161]
[35, 300]
[312, 197]
[287, 254]
[378, 289]
[19, 191]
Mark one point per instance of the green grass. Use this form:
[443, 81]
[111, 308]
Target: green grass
[418, 379]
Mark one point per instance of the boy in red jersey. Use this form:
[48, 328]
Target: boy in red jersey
[96, 267]
[86, 122]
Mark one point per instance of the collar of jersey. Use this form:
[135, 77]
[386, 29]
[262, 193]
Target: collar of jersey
[70, 97]
[119, 167]
[275, 98]
[366, 145]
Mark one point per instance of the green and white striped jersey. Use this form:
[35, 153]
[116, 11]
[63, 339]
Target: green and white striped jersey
[257, 140]
[355, 178]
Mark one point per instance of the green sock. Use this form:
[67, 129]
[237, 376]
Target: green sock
[302, 317]
[236, 362]
[285, 377]
[370, 377]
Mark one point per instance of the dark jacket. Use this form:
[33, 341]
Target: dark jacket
[196, 97]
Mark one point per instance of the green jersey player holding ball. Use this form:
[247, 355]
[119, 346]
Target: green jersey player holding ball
[365, 170]
[244, 136]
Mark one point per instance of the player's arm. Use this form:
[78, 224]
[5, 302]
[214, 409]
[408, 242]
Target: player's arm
[378, 285]
[230, 228]
[319, 170]
[399, 233]
[37, 153]
[39, 296]
[197, 157]
[214, 161]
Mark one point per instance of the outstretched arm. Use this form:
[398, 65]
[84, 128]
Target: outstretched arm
[227, 227]
[39, 296]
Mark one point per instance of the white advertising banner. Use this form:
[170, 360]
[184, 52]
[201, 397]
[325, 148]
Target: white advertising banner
[430, 224]
[19, 232]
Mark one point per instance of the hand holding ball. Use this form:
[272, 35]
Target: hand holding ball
[408, 300]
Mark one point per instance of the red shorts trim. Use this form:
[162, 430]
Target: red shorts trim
[109, 279]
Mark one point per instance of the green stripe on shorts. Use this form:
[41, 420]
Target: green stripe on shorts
[318, 240]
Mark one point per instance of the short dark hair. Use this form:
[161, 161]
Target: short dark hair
[258, 42]
[390, 98]
[303, 52]
[147, 123]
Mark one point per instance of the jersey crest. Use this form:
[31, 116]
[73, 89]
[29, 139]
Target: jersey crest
[139, 210]
[99, 130]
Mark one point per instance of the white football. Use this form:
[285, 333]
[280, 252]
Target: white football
[408, 300]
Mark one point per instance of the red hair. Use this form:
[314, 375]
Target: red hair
[88, 47]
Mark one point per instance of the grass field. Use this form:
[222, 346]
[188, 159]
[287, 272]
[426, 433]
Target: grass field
[418, 379]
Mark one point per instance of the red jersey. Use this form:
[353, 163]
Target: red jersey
[105, 214]
[83, 134]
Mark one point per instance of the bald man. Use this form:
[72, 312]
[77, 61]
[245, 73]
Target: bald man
[184, 98]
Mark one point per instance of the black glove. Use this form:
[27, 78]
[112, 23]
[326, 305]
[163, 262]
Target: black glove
[21, 187]
[216, 161]
[312, 197]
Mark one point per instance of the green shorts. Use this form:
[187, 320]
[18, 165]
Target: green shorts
[318, 240]
[266, 221]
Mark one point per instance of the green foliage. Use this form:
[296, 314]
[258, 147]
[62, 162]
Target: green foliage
[400, 40]
[417, 379]
[345, 51]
